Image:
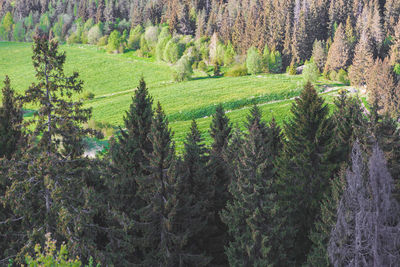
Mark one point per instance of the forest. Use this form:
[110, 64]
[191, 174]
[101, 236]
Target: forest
[319, 188]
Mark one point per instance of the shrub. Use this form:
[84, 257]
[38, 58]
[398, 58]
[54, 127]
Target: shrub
[183, 69]
[275, 62]
[396, 69]
[151, 35]
[202, 66]
[172, 51]
[163, 39]
[51, 257]
[103, 41]
[332, 75]
[94, 34]
[292, 69]
[19, 32]
[310, 72]
[134, 38]
[88, 95]
[229, 55]
[236, 71]
[254, 61]
[114, 41]
[343, 77]
[73, 38]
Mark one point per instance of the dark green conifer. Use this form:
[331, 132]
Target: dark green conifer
[220, 178]
[303, 171]
[128, 161]
[249, 214]
[10, 121]
[155, 189]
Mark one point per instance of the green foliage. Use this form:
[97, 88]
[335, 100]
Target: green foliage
[229, 55]
[254, 61]
[10, 121]
[88, 95]
[292, 69]
[163, 39]
[114, 42]
[396, 69]
[94, 34]
[183, 69]
[275, 62]
[236, 71]
[45, 23]
[303, 172]
[6, 26]
[310, 72]
[134, 38]
[19, 32]
[343, 77]
[103, 41]
[173, 51]
[50, 257]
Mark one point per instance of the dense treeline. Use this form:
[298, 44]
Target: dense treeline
[342, 37]
[321, 191]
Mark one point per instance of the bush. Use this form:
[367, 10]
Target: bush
[114, 42]
[229, 55]
[103, 41]
[254, 61]
[134, 38]
[51, 257]
[291, 70]
[172, 51]
[236, 71]
[88, 95]
[396, 69]
[275, 62]
[310, 72]
[343, 77]
[94, 34]
[73, 38]
[151, 35]
[333, 75]
[202, 66]
[163, 39]
[183, 69]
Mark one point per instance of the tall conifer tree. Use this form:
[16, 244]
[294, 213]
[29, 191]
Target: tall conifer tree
[10, 121]
[303, 171]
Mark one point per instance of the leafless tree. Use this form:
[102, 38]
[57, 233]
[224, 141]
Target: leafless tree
[367, 232]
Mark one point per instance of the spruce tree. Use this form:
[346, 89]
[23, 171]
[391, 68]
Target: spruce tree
[217, 233]
[10, 121]
[154, 189]
[128, 162]
[249, 214]
[339, 52]
[303, 171]
[54, 188]
[363, 61]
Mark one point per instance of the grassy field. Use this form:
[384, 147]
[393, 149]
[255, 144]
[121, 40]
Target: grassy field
[113, 79]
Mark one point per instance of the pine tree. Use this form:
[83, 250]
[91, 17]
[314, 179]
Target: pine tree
[303, 171]
[10, 121]
[366, 231]
[362, 62]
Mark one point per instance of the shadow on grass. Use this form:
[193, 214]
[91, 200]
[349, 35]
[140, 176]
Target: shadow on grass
[205, 78]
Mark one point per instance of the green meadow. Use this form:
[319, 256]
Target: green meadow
[113, 78]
